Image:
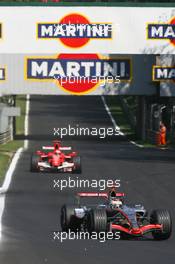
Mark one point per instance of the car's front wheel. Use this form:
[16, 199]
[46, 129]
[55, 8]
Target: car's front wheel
[97, 221]
[163, 218]
[34, 162]
[77, 164]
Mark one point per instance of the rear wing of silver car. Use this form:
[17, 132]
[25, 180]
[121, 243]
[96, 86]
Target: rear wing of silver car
[98, 194]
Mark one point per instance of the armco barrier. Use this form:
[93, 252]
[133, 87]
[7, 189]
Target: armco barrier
[7, 113]
[5, 137]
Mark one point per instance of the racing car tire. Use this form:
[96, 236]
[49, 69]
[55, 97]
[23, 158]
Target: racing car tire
[97, 221]
[34, 162]
[77, 164]
[68, 219]
[162, 217]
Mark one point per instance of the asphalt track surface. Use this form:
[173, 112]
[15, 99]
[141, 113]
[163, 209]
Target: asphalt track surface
[32, 205]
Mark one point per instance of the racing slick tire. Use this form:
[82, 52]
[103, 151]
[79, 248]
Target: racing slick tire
[77, 164]
[68, 219]
[97, 221]
[34, 162]
[161, 217]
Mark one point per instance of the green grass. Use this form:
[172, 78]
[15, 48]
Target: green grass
[20, 102]
[11, 146]
[146, 144]
[4, 163]
[8, 150]
[117, 112]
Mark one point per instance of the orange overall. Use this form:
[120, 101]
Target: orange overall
[162, 135]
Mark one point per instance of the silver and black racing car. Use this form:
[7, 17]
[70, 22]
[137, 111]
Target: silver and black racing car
[112, 214]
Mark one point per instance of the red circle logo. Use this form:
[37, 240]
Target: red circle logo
[72, 20]
[172, 22]
[75, 85]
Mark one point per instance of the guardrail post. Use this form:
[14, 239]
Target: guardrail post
[6, 122]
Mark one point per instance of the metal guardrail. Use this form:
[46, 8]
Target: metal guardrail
[5, 137]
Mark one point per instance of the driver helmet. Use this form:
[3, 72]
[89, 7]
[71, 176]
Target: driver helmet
[57, 152]
[115, 203]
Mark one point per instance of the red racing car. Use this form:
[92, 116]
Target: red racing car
[113, 215]
[56, 158]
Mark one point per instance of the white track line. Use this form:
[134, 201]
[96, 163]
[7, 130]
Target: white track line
[26, 122]
[111, 117]
[114, 122]
[136, 144]
[10, 171]
[12, 167]
[6, 184]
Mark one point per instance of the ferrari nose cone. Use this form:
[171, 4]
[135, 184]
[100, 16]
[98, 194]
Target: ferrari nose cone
[56, 161]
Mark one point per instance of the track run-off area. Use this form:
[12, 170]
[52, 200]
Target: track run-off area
[32, 205]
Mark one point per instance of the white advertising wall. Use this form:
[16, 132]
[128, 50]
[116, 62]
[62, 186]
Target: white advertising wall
[139, 81]
[128, 27]
[35, 38]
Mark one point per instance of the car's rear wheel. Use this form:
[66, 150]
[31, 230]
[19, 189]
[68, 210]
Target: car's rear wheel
[163, 218]
[34, 162]
[68, 219]
[77, 164]
[97, 221]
